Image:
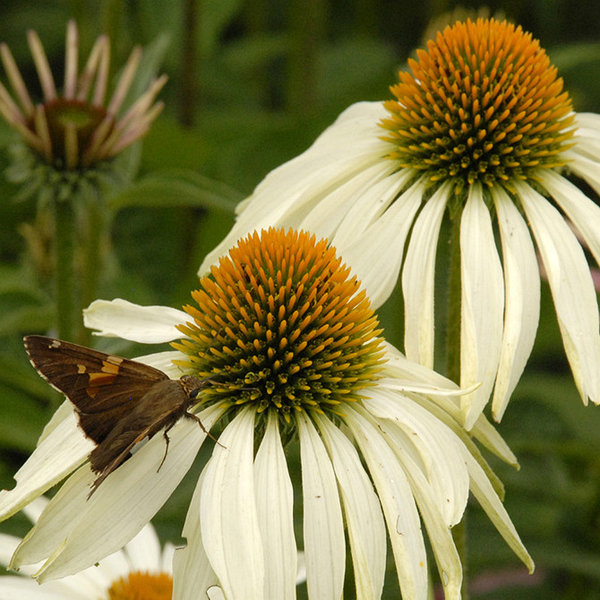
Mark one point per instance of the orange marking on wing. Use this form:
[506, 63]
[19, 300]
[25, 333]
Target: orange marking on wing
[98, 379]
[81, 369]
[111, 364]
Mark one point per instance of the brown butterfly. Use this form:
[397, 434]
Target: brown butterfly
[119, 402]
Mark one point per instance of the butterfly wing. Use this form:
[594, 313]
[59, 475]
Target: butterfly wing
[158, 409]
[103, 387]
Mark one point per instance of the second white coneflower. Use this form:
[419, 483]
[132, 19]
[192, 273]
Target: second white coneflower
[292, 353]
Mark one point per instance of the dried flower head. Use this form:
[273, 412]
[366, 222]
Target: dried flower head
[76, 128]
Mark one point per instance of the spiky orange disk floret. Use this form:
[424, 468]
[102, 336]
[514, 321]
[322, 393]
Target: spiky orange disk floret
[280, 323]
[142, 586]
[483, 103]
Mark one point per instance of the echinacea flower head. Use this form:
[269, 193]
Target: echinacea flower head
[141, 570]
[480, 132]
[75, 128]
[293, 357]
[481, 105]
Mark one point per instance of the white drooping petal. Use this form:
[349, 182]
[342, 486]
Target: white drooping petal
[362, 512]
[348, 209]
[228, 516]
[418, 278]
[324, 543]
[193, 575]
[57, 521]
[588, 126]
[100, 577]
[406, 376]
[482, 305]
[289, 193]
[215, 593]
[64, 411]
[20, 588]
[144, 551]
[397, 502]
[121, 505]
[572, 290]
[584, 162]
[143, 324]
[381, 243]
[369, 204]
[275, 509]
[301, 574]
[428, 501]
[34, 509]
[60, 452]
[581, 210]
[493, 507]
[8, 545]
[487, 435]
[432, 445]
[92, 582]
[522, 299]
[482, 428]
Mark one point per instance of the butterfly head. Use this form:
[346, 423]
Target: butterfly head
[194, 386]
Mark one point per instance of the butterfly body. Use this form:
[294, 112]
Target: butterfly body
[118, 401]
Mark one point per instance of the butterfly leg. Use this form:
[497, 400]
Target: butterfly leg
[166, 436]
[194, 417]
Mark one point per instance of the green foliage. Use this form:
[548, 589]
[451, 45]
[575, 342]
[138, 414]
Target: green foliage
[176, 188]
[233, 85]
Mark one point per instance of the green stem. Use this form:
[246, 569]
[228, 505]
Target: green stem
[189, 70]
[94, 263]
[64, 244]
[459, 531]
[256, 23]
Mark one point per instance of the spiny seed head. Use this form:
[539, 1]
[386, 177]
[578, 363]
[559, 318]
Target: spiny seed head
[281, 324]
[483, 104]
[81, 118]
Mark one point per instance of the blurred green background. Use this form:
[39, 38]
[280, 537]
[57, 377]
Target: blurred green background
[251, 84]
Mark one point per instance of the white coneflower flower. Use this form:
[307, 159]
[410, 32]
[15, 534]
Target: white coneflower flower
[139, 571]
[482, 130]
[75, 128]
[291, 351]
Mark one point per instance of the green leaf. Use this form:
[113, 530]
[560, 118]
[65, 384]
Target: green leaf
[28, 317]
[17, 373]
[22, 420]
[15, 280]
[178, 188]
